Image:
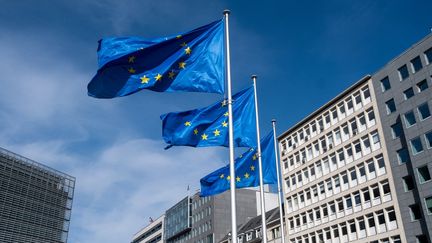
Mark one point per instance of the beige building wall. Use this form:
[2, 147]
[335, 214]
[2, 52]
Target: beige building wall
[338, 185]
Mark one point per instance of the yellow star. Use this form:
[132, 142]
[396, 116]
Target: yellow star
[183, 44]
[224, 103]
[254, 157]
[182, 65]
[228, 178]
[224, 124]
[252, 168]
[188, 50]
[144, 79]
[188, 123]
[226, 114]
[204, 136]
[246, 175]
[131, 59]
[131, 70]
[171, 74]
[158, 77]
[216, 133]
[178, 37]
[196, 131]
[222, 176]
[238, 179]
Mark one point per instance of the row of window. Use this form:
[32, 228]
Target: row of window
[202, 228]
[334, 161]
[201, 201]
[355, 229]
[332, 186]
[337, 113]
[416, 144]
[333, 138]
[248, 236]
[201, 214]
[410, 119]
[341, 207]
[416, 65]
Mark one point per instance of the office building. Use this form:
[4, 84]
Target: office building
[359, 168]
[152, 233]
[404, 97]
[35, 201]
[338, 181]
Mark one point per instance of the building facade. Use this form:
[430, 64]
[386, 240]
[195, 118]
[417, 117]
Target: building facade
[35, 201]
[152, 233]
[338, 184]
[404, 97]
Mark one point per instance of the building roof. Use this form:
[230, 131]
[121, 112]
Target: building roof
[255, 223]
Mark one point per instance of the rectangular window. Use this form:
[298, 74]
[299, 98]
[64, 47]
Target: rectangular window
[390, 106]
[403, 156]
[416, 64]
[396, 130]
[424, 111]
[423, 173]
[421, 239]
[428, 138]
[415, 212]
[371, 167]
[422, 85]
[403, 72]
[385, 187]
[416, 145]
[428, 56]
[428, 202]
[408, 93]
[385, 84]
[348, 201]
[366, 195]
[409, 119]
[408, 183]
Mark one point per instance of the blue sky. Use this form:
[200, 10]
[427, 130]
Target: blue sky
[304, 53]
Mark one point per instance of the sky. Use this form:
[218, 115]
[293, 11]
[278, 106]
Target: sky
[304, 53]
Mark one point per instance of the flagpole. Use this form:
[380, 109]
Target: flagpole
[230, 132]
[263, 218]
[278, 181]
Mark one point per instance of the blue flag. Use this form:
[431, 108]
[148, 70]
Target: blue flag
[209, 126]
[192, 61]
[246, 170]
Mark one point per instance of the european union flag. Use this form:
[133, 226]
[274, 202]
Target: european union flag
[193, 61]
[209, 126]
[246, 170]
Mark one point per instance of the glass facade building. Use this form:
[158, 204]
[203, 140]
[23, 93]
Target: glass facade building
[35, 201]
[178, 219]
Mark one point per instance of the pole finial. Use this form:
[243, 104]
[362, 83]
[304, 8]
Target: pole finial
[226, 11]
[273, 120]
[254, 76]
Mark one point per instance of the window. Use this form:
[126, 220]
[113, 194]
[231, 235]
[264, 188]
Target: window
[408, 183]
[357, 199]
[416, 64]
[416, 145]
[403, 156]
[415, 212]
[375, 138]
[366, 195]
[428, 138]
[385, 84]
[408, 93]
[386, 188]
[396, 130]
[403, 72]
[390, 106]
[424, 111]
[423, 173]
[348, 202]
[428, 55]
[409, 119]
[422, 85]
[428, 202]
[375, 192]
[421, 239]
[371, 167]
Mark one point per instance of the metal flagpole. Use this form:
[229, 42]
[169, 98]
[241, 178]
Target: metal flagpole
[263, 218]
[278, 181]
[231, 133]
